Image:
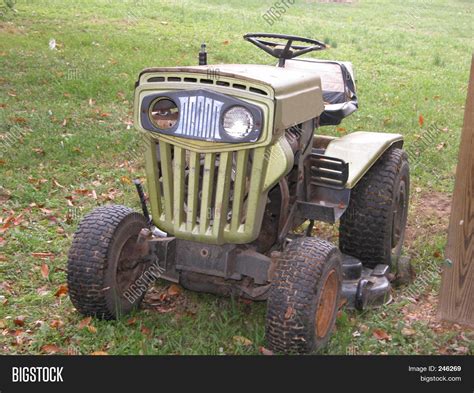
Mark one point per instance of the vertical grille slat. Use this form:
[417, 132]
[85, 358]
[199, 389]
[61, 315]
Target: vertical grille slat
[239, 188]
[154, 186]
[167, 175]
[179, 166]
[207, 188]
[193, 190]
[222, 193]
[255, 201]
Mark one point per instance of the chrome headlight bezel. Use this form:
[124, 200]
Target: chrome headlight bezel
[243, 111]
[201, 115]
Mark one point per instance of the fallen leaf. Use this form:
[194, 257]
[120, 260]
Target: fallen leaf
[131, 321]
[39, 151]
[407, 332]
[421, 120]
[82, 191]
[56, 323]
[84, 323]
[342, 303]
[441, 146]
[264, 351]
[125, 180]
[39, 323]
[99, 353]
[50, 348]
[145, 331]
[174, 290]
[62, 290]
[289, 312]
[42, 255]
[92, 329]
[19, 320]
[18, 120]
[56, 183]
[43, 291]
[226, 42]
[3, 324]
[381, 335]
[45, 270]
[461, 350]
[242, 341]
[45, 211]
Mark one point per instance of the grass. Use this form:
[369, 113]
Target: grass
[65, 117]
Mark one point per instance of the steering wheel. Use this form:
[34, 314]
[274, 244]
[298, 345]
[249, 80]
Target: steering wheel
[284, 51]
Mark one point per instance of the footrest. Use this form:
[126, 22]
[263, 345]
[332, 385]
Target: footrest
[328, 171]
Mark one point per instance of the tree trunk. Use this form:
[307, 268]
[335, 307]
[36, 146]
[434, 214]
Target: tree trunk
[457, 285]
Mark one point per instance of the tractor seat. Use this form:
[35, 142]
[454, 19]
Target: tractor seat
[337, 82]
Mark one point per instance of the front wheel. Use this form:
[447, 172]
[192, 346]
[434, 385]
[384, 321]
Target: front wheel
[304, 296]
[104, 263]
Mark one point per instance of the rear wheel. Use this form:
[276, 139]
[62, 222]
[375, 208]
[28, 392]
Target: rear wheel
[104, 262]
[304, 296]
[373, 227]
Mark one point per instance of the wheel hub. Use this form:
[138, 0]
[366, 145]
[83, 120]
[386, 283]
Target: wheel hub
[129, 266]
[327, 304]
[399, 215]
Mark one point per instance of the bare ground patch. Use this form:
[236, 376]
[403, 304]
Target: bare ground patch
[429, 215]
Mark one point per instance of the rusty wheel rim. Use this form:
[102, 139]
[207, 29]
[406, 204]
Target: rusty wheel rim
[327, 304]
[129, 267]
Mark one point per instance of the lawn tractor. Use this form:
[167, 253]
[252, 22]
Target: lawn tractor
[237, 174]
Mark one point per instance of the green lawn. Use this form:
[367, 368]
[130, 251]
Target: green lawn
[67, 145]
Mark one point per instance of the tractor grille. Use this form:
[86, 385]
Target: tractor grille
[200, 117]
[216, 197]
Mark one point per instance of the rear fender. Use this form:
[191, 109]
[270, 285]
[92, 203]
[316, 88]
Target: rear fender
[361, 150]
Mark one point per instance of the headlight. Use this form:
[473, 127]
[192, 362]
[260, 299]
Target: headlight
[238, 122]
[164, 113]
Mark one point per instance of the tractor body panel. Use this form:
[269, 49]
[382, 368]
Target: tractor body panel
[297, 94]
[361, 150]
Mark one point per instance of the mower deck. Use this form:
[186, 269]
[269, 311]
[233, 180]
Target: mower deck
[233, 270]
[362, 286]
